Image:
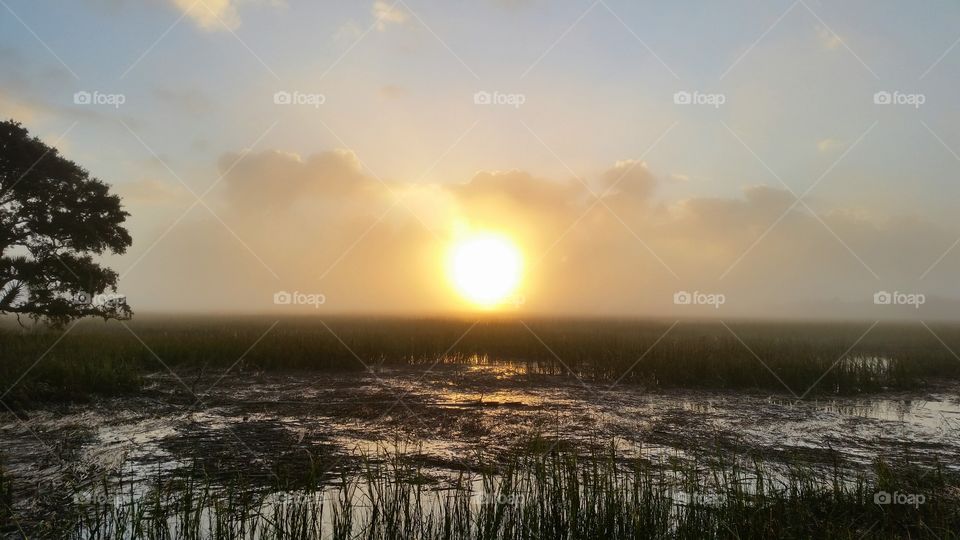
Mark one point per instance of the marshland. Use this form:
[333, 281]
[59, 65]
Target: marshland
[558, 428]
[485, 270]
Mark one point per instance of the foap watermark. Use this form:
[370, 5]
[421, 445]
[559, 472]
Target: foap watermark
[296, 97]
[707, 499]
[92, 498]
[897, 298]
[96, 97]
[102, 300]
[499, 98]
[896, 97]
[296, 298]
[910, 499]
[697, 298]
[684, 97]
[516, 301]
[488, 497]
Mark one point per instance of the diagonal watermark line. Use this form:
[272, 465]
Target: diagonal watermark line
[641, 240]
[842, 242]
[870, 528]
[840, 158]
[941, 141]
[157, 357]
[759, 39]
[798, 198]
[446, 152]
[442, 42]
[842, 357]
[954, 245]
[559, 159]
[566, 232]
[399, 198]
[42, 356]
[838, 38]
[160, 160]
[598, 199]
[942, 342]
[358, 40]
[42, 42]
[198, 199]
[240, 359]
[929, 530]
[238, 239]
[246, 152]
[558, 359]
[642, 42]
[437, 361]
[642, 356]
[189, 390]
[388, 388]
[65, 466]
[755, 355]
[759, 160]
[359, 239]
[939, 59]
[159, 39]
[163, 235]
[559, 39]
[759, 239]
[639, 160]
[242, 42]
[602, 391]
[940, 258]
[402, 198]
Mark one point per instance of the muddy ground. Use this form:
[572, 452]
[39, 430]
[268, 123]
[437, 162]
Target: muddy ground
[269, 424]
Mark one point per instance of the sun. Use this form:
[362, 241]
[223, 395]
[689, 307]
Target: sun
[485, 268]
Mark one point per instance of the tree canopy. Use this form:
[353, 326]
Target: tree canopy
[54, 217]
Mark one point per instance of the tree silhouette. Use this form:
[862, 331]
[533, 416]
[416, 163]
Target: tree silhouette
[53, 217]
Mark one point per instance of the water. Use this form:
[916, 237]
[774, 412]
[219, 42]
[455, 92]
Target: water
[443, 417]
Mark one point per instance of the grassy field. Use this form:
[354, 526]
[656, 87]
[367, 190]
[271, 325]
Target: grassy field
[109, 358]
[555, 495]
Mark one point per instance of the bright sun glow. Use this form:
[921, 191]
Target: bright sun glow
[485, 268]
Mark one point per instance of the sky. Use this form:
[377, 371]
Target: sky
[769, 159]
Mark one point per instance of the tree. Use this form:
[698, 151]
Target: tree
[53, 218]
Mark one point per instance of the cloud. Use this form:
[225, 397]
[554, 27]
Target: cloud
[392, 91]
[830, 145]
[828, 40]
[218, 14]
[278, 180]
[152, 192]
[387, 13]
[321, 224]
[11, 107]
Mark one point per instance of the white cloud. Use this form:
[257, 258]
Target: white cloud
[388, 13]
[218, 14]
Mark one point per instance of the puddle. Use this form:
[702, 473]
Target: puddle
[448, 416]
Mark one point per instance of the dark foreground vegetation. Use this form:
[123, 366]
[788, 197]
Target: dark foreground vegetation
[548, 494]
[109, 358]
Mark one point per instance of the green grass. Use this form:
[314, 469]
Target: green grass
[553, 495]
[98, 357]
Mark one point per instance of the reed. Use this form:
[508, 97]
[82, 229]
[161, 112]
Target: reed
[106, 358]
[556, 495]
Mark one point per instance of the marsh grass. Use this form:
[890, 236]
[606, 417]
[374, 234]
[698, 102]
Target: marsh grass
[107, 358]
[556, 495]
[6, 496]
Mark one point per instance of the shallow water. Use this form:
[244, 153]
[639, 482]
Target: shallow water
[446, 416]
